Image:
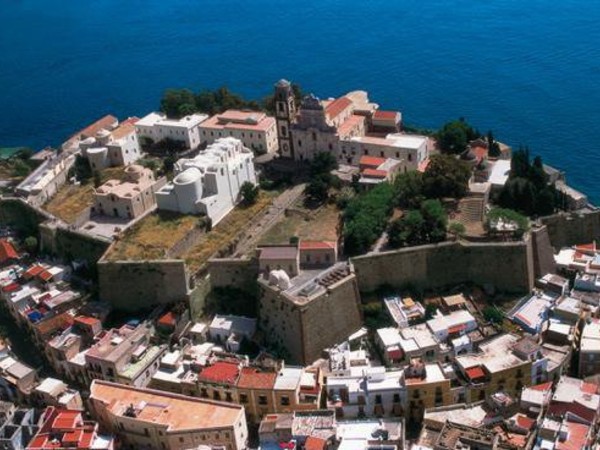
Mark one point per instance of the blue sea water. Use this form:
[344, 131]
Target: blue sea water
[529, 70]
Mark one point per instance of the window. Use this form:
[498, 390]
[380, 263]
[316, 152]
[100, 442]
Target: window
[299, 143]
[285, 400]
[410, 157]
[180, 439]
[396, 398]
[330, 147]
[146, 432]
[243, 398]
[262, 399]
[381, 154]
[228, 397]
[314, 136]
[378, 400]
[397, 154]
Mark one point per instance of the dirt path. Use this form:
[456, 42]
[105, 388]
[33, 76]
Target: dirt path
[262, 224]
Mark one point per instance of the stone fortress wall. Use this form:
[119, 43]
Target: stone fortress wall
[508, 266]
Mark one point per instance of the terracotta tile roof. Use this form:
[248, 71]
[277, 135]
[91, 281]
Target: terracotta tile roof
[385, 115]
[33, 271]
[457, 328]
[168, 320]
[586, 248]
[372, 161]
[350, 124]
[525, 422]
[105, 122]
[475, 373]
[252, 378]
[85, 320]
[314, 245]
[7, 251]
[423, 165]
[589, 388]
[577, 437]
[336, 107]
[176, 412]
[66, 420]
[223, 372]
[60, 322]
[374, 173]
[315, 443]
[542, 387]
[123, 130]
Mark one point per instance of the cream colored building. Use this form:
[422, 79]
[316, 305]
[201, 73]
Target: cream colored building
[411, 150]
[309, 312]
[112, 146]
[255, 129]
[146, 418]
[129, 198]
[157, 127]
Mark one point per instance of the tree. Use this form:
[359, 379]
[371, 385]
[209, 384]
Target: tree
[318, 188]
[492, 314]
[493, 146]
[176, 103]
[506, 216]
[454, 137]
[409, 189]
[20, 168]
[446, 176]
[249, 193]
[31, 244]
[528, 189]
[25, 153]
[456, 229]
[365, 218]
[169, 164]
[82, 169]
[418, 227]
[321, 178]
[97, 179]
[345, 196]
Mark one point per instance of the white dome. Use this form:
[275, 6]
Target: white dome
[188, 176]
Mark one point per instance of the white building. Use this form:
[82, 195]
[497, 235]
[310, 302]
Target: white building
[255, 129]
[412, 150]
[374, 392]
[210, 183]
[157, 126]
[453, 325]
[230, 330]
[112, 146]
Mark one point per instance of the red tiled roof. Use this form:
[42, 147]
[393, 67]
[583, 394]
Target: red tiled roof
[66, 420]
[33, 271]
[525, 422]
[315, 443]
[313, 245]
[373, 161]
[586, 248]
[577, 437]
[589, 388]
[542, 387]
[385, 115]
[7, 251]
[60, 322]
[374, 173]
[475, 373]
[337, 106]
[252, 378]
[457, 328]
[44, 275]
[395, 354]
[220, 372]
[12, 287]
[85, 320]
[480, 152]
[92, 129]
[168, 320]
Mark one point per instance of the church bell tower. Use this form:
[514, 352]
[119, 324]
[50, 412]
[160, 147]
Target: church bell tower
[285, 113]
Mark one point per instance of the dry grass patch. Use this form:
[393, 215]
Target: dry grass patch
[225, 231]
[70, 201]
[319, 225]
[151, 237]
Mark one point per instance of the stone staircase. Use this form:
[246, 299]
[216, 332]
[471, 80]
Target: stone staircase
[471, 210]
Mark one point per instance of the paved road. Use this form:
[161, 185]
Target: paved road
[260, 225]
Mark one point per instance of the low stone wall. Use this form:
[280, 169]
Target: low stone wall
[567, 229]
[18, 214]
[233, 272]
[508, 266]
[134, 285]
